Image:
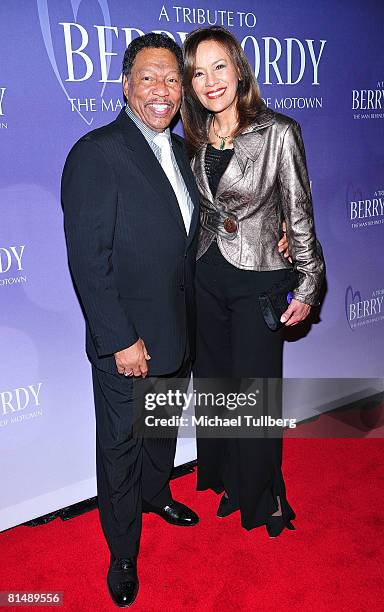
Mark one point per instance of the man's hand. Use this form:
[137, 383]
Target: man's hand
[132, 361]
[283, 245]
[295, 313]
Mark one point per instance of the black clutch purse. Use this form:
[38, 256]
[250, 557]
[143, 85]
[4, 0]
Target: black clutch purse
[276, 300]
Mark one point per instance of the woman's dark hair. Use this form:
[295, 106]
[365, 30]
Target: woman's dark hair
[193, 113]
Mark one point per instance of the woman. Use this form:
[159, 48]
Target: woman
[249, 164]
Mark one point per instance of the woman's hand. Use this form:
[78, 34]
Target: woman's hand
[282, 245]
[295, 313]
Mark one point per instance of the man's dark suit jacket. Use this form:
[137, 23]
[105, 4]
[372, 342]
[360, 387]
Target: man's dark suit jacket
[130, 257]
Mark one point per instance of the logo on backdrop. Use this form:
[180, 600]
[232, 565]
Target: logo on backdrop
[11, 266]
[361, 311]
[365, 211]
[3, 124]
[368, 103]
[105, 56]
[2, 94]
[285, 61]
[21, 404]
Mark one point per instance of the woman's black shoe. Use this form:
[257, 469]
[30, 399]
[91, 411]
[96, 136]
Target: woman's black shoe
[276, 524]
[226, 507]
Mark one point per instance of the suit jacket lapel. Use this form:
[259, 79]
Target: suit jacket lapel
[148, 166]
[190, 183]
[247, 146]
[233, 173]
[198, 166]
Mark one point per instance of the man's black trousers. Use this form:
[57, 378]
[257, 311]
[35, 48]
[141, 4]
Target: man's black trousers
[130, 468]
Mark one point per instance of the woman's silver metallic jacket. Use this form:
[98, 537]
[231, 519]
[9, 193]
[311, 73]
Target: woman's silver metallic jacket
[265, 182]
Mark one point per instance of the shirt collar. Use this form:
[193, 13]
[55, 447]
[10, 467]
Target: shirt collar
[147, 132]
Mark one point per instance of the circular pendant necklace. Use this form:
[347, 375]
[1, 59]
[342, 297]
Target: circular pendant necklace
[223, 139]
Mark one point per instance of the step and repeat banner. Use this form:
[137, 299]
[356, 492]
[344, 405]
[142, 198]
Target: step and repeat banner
[60, 76]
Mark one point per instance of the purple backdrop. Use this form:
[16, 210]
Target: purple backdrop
[60, 77]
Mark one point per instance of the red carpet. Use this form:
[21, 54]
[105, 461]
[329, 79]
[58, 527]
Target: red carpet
[333, 561]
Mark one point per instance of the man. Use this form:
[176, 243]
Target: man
[130, 212]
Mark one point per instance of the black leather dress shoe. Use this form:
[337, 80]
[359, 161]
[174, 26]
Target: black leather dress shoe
[226, 507]
[122, 581]
[174, 513]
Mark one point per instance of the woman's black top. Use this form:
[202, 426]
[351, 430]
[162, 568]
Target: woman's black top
[216, 162]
